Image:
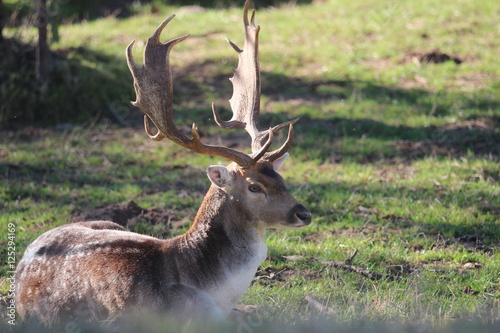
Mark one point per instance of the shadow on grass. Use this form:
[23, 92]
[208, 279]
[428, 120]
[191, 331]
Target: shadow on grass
[427, 212]
[87, 86]
[83, 86]
[322, 133]
[335, 139]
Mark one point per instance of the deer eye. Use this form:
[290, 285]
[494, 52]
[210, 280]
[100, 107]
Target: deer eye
[254, 188]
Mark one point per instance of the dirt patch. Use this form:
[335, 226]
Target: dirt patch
[392, 173]
[422, 148]
[430, 57]
[455, 139]
[474, 243]
[402, 269]
[127, 215]
[317, 237]
[416, 82]
[473, 81]
[481, 124]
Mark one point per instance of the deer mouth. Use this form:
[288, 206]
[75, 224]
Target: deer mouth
[294, 226]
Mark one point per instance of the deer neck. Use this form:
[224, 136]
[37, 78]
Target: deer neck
[224, 247]
[223, 224]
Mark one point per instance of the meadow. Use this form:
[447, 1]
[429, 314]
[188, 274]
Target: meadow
[396, 154]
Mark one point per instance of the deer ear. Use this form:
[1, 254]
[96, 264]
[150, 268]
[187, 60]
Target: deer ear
[219, 176]
[279, 162]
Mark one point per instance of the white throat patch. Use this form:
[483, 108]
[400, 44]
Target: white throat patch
[228, 292]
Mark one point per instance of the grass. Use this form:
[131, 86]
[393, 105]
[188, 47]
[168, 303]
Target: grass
[394, 157]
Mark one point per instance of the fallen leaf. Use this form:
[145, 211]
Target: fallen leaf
[472, 265]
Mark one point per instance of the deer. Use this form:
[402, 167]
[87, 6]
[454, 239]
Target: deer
[108, 271]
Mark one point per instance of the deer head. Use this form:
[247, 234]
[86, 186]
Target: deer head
[154, 90]
[260, 194]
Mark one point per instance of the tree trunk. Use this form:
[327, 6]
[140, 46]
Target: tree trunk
[42, 50]
[2, 15]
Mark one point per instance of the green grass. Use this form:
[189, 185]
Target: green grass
[394, 158]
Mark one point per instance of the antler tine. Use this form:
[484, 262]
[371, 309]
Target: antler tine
[134, 69]
[156, 35]
[245, 101]
[252, 20]
[156, 137]
[225, 124]
[274, 155]
[154, 89]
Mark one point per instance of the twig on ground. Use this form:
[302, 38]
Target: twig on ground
[319, 306]
[349, 260]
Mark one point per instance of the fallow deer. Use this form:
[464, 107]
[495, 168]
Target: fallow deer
[107, 271]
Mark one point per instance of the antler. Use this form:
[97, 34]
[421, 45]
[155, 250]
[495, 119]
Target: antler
[154, 90]
[245, 101]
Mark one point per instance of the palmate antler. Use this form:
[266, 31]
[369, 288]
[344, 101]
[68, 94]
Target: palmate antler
[154, 90]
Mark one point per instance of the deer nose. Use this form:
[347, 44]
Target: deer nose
[303, 214]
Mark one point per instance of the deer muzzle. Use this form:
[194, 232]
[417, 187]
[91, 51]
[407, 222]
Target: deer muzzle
[299, 216]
